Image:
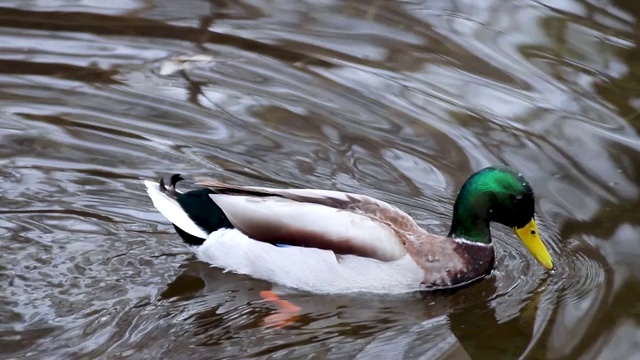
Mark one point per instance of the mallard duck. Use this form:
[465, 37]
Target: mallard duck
[334, 242]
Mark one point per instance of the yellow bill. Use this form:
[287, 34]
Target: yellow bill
[531, 239]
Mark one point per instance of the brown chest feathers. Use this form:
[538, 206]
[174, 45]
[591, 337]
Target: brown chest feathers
[448, 262]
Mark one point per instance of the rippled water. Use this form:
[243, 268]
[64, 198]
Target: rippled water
[401, 100]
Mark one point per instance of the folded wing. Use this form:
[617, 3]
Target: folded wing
[330, 220]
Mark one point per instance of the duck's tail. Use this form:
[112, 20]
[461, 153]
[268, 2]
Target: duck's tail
[165, 200]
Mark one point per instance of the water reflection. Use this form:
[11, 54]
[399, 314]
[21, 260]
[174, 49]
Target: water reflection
[399, 100]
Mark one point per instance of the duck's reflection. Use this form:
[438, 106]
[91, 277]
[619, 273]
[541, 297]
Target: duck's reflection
[220, 307]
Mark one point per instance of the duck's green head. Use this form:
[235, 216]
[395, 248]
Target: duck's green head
[501, 195]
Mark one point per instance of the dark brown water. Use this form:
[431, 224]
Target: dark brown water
[401, 100]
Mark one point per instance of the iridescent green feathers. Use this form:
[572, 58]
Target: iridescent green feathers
[496, 194]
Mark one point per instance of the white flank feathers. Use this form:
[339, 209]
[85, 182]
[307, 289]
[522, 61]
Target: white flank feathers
[308, 269]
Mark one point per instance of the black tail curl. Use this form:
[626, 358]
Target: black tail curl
[175, 178]
[200, 208]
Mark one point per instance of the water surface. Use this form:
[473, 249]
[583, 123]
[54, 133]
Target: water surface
[401, 100]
